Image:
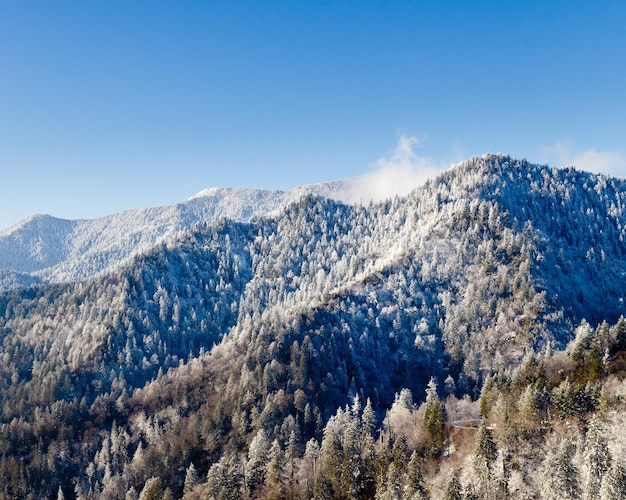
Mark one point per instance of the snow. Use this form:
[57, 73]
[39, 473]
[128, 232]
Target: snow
[45, 248]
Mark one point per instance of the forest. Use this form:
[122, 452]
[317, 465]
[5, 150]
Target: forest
[466, 341]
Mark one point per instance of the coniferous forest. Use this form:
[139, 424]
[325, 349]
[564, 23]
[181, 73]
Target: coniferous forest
[467, 341]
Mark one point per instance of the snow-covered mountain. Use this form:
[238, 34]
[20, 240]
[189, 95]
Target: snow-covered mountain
[499, 284]
[42, 248]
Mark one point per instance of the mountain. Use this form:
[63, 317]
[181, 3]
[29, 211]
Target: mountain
[45, 249]
[305, 352]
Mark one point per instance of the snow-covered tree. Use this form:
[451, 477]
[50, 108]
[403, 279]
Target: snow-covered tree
[415, 488]
[191, 478]
[560, 474]
[613, 482]
[485, 456]
[256, 466]
[527, 405]
[274, 483]
[597, 458]
[390, 489]
[434, 419]
[454, 489]
[152, 490]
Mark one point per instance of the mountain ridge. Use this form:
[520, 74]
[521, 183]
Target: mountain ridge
[43, 248]
[229, 336]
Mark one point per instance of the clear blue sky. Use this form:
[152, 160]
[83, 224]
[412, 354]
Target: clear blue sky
[108, 105]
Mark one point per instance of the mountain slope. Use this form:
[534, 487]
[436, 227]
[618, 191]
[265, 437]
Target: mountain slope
[229, 331]
[46, 249]
[466, 265]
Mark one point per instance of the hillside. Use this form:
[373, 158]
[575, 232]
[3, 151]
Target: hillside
[45, 249]
[327, 349]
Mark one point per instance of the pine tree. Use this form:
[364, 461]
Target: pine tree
[391, 488]
[311, 459]
[191, 478]
[275, 489]
[454, 490]
[597, 458]
[151, 490]
[415, 487]
[434, 419]
[527, 406]
[257, 460]
[560, 475]
[620, 335]
[485, 456]
[613, 482]
[563, 399]
[131, 494]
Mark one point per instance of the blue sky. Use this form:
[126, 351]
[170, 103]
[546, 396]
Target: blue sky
[112, 105]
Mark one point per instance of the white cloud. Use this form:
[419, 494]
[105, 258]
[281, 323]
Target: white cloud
[397, 173]
[604, 162]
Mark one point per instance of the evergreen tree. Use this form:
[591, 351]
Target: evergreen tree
[311, 460]
[131, 494]
[323, 489]
[398, 451]
[415, 487]
[620, 335]
[351, 467]
[485, 456]
[454, 490]
[368, 418]
[275, 489]
[290, 461]
[434, 419]
[152, 490]
[332, 455]
[368, 451]
[563, 399]
[257, 460]
[191, 478]
[390, 489]
[613, 482]
[597, 458]
[485, 400]
[603, 404]
[225, 480]
[560, 475]
[450, 385]
[582, 341]
[527, 406]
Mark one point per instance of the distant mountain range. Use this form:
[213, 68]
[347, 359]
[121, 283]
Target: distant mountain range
[44, 249]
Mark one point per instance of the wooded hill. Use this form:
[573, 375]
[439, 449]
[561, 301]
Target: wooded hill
[330, 350]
